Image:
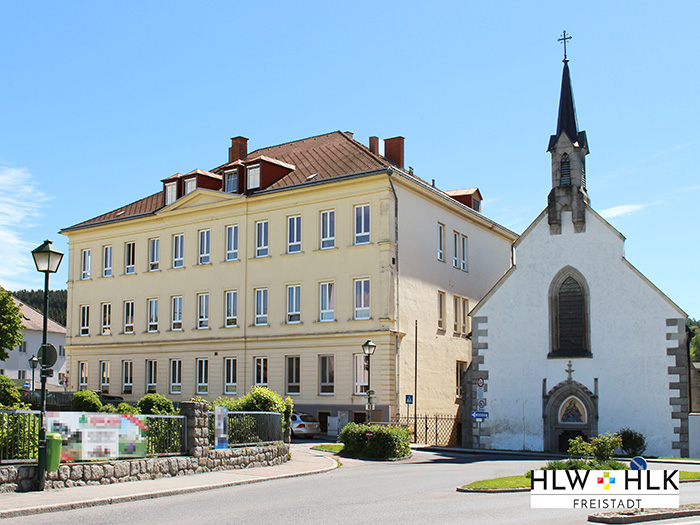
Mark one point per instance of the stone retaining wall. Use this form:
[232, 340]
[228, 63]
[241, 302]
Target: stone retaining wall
[19, 478]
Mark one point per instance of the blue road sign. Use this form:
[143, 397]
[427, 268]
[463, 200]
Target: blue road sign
[481, 415]
[409, 399]
[638, 463]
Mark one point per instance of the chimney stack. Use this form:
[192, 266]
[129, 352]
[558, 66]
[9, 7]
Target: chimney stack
[374, 145]
[393, 150]
[238, 149]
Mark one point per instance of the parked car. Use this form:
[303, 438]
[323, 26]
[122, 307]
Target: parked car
[304, 425]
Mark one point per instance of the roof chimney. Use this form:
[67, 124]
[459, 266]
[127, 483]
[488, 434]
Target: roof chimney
[374, 145]
[238, 149]
[393, 150]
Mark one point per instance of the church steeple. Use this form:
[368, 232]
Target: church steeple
[568, 148]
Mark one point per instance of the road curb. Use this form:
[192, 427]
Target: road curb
[494, 491]
[30, 511]
[646, 516]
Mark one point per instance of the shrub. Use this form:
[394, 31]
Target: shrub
[109, 408]
[155, 404]
[85, 401]
[388, 442]
[126, 408]
[260, 399]
[600, 448]
[633, 443]
[9, 393]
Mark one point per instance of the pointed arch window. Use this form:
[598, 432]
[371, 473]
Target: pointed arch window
[569, 317]
[565, 170]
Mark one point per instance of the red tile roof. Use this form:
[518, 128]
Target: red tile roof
[139, 208]
[33, 320]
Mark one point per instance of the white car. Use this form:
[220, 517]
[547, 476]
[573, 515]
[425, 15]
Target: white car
[304, 425]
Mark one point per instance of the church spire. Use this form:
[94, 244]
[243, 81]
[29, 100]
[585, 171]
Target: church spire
[566, 121]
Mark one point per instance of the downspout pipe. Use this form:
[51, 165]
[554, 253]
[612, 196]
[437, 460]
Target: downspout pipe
[390, 172]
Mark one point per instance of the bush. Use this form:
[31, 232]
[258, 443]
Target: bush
[633, 443]
[388, 442]
[600, 448]
[126, 408]
[85, 401]
[260, 399]
[9, 393]
[156, 404]
[109, 408]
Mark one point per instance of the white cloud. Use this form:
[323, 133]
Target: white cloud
[619, 211]
[20, 206]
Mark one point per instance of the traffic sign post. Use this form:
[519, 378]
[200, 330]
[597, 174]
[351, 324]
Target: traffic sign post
[369, 434]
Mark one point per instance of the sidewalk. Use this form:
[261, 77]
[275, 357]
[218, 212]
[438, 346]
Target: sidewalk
[304, 461]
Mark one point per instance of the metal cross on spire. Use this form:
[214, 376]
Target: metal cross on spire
[563, 39]
[569, 370]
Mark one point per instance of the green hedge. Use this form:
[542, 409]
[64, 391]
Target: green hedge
[387, 442]
[86, 401]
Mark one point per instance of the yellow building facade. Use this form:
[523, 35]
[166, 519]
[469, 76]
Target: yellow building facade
[270, 271]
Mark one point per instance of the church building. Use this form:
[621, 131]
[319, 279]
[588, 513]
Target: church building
[573, 339]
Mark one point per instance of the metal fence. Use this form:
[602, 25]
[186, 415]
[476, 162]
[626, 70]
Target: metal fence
[19, 436]
[437, 430]
[250, 428]
[166, 435]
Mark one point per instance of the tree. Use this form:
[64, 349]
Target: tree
[10, 324]
[695, 339]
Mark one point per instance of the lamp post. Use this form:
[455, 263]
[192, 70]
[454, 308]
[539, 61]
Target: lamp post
[33, 362]
[47, 260]
[368, 349]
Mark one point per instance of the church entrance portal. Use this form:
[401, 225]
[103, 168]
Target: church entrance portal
[565, 436]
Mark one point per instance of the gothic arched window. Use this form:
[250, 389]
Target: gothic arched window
[565, 170]
[569, 316]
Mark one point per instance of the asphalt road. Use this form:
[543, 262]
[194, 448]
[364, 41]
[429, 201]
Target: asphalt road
[419, 490]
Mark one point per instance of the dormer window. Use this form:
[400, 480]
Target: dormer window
[231, 181]
[476, 205]
[253, 176]
[565, 179]
[170, 193]
[190, 185]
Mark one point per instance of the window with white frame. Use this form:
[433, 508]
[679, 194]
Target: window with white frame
[294, 234]
[293, 303]
[153, 315]
[261, 371]
[362, 224]
[232, 242]
[231, 181]
[327, 302]
[128, 317]
[178, 250]
[260, 307]
[361, 374]
[253, 176]
[127, 377]
[441, 241]
[465, 315]
[202, 376]
[293, 374]
[170, 192]
[361, 298]
[461, 369]
[85, 258]
[82, 375]
[231, 307]
[441, 310]
[261, 239]
[153, 254]
[106, 319]
[176, 376]
[129, 257]
[104, 376]
[61, 351]
[457, 301]
[190, 185]
[455, 246]
[84, 319]
[463, 253]
[151, 375]
[203, 310]
[107, 261]
[327, 229]
[326, 384]
[204, 246]
[21, 374]
[22, 347]
[176, 313]
[230, 375]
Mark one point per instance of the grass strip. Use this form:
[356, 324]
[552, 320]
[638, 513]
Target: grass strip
[508, 482]
[329, 448]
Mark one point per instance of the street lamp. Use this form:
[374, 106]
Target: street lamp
[33, 362]
[368, 349]
[47, 260]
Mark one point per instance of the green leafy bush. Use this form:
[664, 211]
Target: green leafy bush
[9, 394]
[85, 401]
[126, 408]
[260, 399]
[109, 408]
[597, 454]
[155, 404]
[388, 442]
[633, 443]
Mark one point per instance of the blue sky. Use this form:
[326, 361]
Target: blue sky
[100, 101]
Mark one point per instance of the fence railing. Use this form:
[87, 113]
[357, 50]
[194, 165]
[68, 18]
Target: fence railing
[441, 431]
[166, 435]
[248, 428]
[19, 436]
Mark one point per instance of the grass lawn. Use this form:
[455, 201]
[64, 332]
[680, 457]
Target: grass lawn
[684, 474]
[329, 448]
